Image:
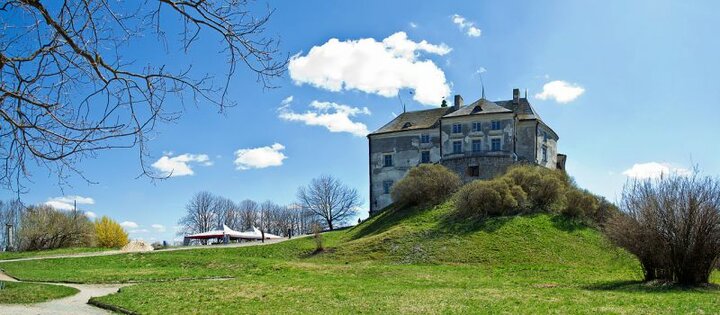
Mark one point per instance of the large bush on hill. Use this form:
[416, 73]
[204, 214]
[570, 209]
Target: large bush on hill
[544, 187]
[43, 227]
[672, 225]
[426, 184]
[481, 198]
[109, 233]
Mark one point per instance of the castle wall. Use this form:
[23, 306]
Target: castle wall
[488, 166]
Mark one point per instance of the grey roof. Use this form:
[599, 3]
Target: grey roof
[479, 107]
[420, 119]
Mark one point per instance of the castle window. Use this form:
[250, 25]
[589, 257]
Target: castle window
[386, 186]
[407, 125]
[387, 160]
[476, 126]
[457, 147]
[477, 145]
[424, 138]
[496, 125]
[496, 144]
[425, 157]
[456, 128]
[544, 154]
[473, 171]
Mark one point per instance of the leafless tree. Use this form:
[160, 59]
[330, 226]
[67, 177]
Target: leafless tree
[43, 227]
[227, 213]
[10, 214]
[330, 200]
[672, 225]
[201, 215]
[68, 88]
[248, 214]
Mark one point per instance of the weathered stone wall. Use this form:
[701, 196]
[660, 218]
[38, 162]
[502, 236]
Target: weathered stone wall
[505, 134]
[489, 166]
[405, 148]
[546, 139]
[525, 147]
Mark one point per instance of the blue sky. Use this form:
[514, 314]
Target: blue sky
[630, 87]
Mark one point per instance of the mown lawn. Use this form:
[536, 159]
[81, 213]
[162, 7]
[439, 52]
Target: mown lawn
[410, 261]
[26, 293]
[50, 252]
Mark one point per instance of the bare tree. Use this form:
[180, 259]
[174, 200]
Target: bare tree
[226, 212]
[10, 214]
[67, 89]
[201, 215]
[330, 200]
[248, 214]
[672, 225]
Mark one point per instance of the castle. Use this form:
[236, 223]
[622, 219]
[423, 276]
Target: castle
[477, 141]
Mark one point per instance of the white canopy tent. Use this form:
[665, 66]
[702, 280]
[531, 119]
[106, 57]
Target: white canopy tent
[227, 234]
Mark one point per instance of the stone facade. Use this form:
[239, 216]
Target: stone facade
[477, 141]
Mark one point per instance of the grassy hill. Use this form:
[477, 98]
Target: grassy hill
[402, 261]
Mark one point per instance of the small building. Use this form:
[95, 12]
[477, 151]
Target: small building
[477, 141]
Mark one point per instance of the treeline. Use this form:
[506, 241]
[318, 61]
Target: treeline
[41, 227]
[325, 203]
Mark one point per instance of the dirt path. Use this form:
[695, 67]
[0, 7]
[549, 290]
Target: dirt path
[118, 252]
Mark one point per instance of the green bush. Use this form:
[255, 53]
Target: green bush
[545, 188]
[426, 184]
[481, 198]
[579, 203]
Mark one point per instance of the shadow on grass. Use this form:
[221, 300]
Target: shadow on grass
[568, 224]
[650, 287]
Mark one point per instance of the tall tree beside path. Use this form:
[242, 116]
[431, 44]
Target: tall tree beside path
[200, 216]
[70, 85]
[330, 200]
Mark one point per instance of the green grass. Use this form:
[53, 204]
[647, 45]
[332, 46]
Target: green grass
[50, 252]
[402, 261]
[26, 293]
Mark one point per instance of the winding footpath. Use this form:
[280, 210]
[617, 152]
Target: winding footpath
[77, 304]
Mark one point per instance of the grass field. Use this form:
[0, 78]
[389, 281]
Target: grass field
[50, 252]
[403, 261]
[26, 293]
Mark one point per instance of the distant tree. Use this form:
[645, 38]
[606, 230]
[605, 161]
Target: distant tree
[10, 214]
[330, 200]
[672, 225]
[109, 233]
[68, 89]
[43, 227]
[200, 214]
[227, 213]
[248, 214]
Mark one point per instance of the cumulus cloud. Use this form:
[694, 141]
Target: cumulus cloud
[466, 26]
[129, 225]
[158, 227]
[66, 202]
[261, 157]
[560, 91]
[333, 116]
[180, 165]
[377, 67]
[413, 24]
[90, 214]
[655, 170]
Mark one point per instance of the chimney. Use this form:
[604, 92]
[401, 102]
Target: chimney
[516, 96]
[458, 102]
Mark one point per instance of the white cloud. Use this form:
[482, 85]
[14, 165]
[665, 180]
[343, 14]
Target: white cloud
[413, 25]
[655, 170]
[180, 165]
[335, 117]
[66, 202]
[561, 91]
[466, 26]
[158, 227]
[129, 225]
[261, 157]
[90, 214]
[371, 66]
[138, 231]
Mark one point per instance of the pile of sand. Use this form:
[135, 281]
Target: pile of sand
[137, 246]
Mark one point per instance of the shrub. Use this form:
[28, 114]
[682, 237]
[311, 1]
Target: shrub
[482, 198]
[671, 226]
[426, 184]
[43, 227]
[579, 203]
[544, 187]
[109, 233]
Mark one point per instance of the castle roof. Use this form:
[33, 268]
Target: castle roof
[421, 119]
[479, 107]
